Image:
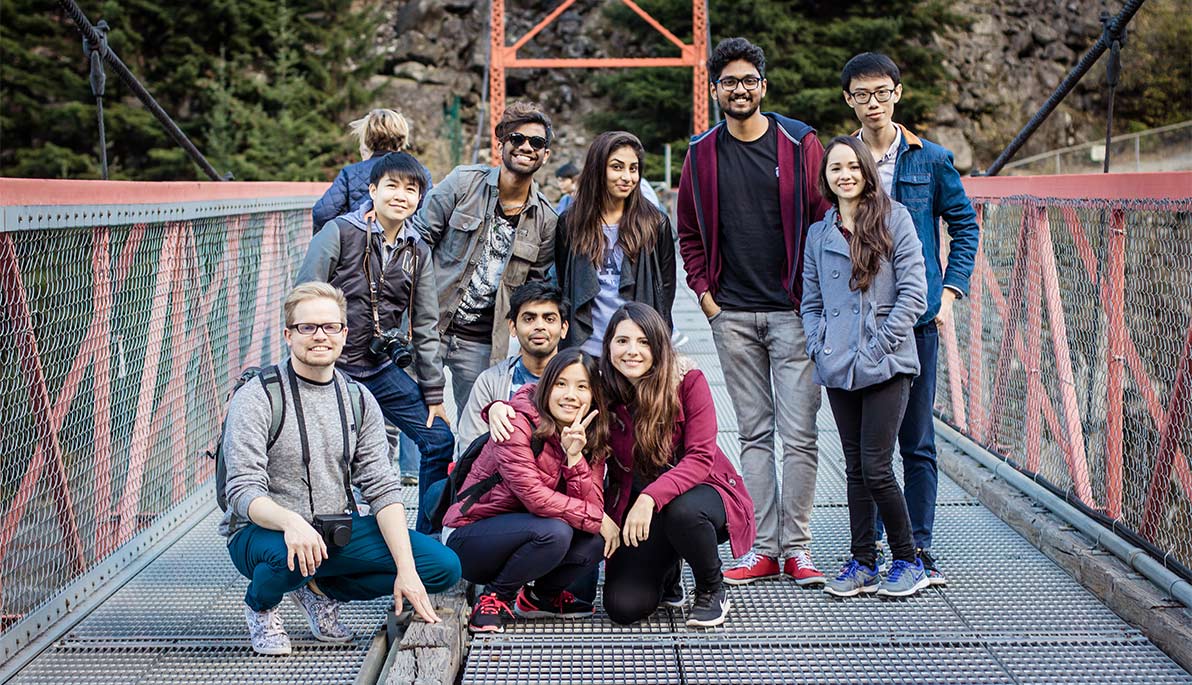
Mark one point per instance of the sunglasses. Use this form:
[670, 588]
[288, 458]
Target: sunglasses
[519, 139]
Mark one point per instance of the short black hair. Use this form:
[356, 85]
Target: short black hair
[537, 291]
[568, 170]
[731, 50]
[399, 165]
[520, 113]
[869, 64]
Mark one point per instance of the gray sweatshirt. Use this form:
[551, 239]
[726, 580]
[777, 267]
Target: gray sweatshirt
[281, 475]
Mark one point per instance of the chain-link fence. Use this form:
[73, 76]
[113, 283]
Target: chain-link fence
[1071, 356]
[122, 333]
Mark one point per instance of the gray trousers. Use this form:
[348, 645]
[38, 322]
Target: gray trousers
[466, 360]
[769, 378]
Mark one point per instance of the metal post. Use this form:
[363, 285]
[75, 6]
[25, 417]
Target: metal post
[1138, 154]
[667, 157]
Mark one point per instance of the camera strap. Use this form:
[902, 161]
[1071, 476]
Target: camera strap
[305, 441]
[409, 254]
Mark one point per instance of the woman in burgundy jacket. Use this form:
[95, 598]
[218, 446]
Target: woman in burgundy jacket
[543, 522]
[673, 492]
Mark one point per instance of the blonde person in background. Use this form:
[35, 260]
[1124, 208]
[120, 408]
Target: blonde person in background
[379, 132]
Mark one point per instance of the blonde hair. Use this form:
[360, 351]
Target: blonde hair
[381, 130]
[314, 290]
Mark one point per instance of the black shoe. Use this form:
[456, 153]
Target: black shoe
[490, 615]
[710, 608]
[934, 576]
[673, 596]
[564, 605]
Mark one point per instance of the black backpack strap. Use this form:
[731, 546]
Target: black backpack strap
[471, 495]
[271, 382]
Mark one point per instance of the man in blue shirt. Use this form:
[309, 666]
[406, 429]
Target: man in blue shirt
[919, 174]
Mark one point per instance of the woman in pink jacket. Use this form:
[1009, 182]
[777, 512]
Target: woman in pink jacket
[674, 493]
[543, 522]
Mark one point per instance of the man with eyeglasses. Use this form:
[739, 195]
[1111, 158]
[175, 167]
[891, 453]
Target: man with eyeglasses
[746, 199]
[292, 522]
[919, 174]
[385, 270]
[490, 230]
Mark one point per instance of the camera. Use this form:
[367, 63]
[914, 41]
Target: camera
[336, 529]
[393, 344]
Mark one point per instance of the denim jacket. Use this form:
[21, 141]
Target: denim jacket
[926, 181]
[455, 220]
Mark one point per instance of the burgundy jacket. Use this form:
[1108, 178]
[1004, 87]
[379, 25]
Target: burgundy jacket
[697, 460]
[528, 482]
[800, 203]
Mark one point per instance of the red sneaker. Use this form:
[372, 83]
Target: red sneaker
[490, 615]
[751, 567]
[800, 567]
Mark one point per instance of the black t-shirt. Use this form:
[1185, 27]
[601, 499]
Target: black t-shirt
[753, 261]
[481, 329]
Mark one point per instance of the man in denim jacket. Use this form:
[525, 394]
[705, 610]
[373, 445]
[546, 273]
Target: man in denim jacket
[919, 174]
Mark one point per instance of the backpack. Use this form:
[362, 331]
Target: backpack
[270, 377]
[447, 491]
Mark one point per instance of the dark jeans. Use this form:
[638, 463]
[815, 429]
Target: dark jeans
[689, 527]
[868, 420]
[403, 405]
[916, 441]
[362, 569]
[506, 551]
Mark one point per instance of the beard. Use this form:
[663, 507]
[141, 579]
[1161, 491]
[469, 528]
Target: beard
[727, 110]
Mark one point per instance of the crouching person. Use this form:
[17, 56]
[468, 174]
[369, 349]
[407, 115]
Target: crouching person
[288, 493]
[542, 519]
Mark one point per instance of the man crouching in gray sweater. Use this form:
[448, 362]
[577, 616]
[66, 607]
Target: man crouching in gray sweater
[276, 491]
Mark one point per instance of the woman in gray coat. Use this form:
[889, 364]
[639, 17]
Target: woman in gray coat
[864, 286]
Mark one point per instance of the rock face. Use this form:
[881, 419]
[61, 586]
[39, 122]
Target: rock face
[1002, 69]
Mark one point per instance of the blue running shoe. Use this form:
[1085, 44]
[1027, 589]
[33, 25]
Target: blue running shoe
[904, 579]
[854, 578]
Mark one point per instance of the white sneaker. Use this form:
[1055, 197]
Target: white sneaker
[322, 613]
[267, 632]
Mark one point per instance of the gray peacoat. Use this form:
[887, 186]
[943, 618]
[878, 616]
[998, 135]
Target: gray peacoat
[858, 339]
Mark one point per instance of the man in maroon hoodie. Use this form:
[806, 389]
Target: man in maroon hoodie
[746, 198]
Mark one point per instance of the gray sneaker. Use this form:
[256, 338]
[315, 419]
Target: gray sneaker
[266, 631]
[322, 613]
[904, 579]
[854, 579]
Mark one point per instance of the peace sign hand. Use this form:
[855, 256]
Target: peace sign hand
[574, 438]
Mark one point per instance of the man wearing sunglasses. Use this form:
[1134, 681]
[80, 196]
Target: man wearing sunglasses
[919, 174]
[490, 230]
[746, 199]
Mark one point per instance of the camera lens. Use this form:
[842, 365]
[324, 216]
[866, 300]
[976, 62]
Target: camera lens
[341, 535]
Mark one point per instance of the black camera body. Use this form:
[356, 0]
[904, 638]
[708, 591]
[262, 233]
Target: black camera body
[393, 344]
[336, 529]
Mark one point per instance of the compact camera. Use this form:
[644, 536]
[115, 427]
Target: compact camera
[336, 529]
[393, 344]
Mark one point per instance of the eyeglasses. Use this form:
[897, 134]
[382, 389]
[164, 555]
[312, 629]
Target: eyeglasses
[519, 139]
[861, 97]
[330, 328]
[730, 83]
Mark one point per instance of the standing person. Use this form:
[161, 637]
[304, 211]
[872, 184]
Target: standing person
[538, 319]
[566, 175]
[864, 286]
[612, 246]
[543, 521]
[919, 174]
[278, 489]
[490, 230]
[746, 198]
[385, 270]
[378, 133]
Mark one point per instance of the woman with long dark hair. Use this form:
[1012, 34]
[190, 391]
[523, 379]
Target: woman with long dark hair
[675, 495]
[543, 520]
[864, 286]
[611, 245]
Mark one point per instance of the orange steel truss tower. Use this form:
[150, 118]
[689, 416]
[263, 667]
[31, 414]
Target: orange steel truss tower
[502, 57]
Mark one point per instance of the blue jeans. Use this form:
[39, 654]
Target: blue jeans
[466, 359]
[916, 441]
[408, 456]
[403, 405]
[362, 569]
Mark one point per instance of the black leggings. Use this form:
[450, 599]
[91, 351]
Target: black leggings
[689, 527]
[506, 551]
[868, 421]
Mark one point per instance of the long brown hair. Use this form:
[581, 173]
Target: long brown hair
[654, 400]
[597, 448]
[871, 241]
[638, 229]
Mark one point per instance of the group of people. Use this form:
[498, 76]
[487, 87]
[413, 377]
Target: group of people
[816, 267]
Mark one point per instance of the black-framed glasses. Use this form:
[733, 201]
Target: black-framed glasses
[519, 139]
[861, 97]
[330, 328]
[730, 83]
